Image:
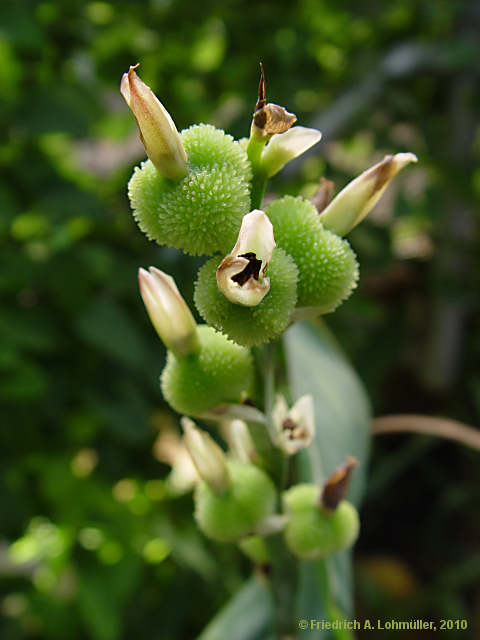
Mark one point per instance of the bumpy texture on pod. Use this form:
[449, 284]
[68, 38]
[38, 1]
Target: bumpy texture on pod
[313, 533]
[249, 325]
[218, 374]
[235, 514]
[328, 268]
[202, 212]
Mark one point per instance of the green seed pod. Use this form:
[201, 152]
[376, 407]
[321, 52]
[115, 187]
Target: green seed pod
[328, 268]
[233, 515]
[219, 373]
[313, 532]
[249, 325]
[255, 548]
[200, 213]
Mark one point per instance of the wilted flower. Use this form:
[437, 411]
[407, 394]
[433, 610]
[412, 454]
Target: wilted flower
[295, 427]
[207, 456]
[157, 130]
[168, 311]
[359, 197]
[241, 275]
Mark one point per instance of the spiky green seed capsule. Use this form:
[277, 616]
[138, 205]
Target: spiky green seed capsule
[235, 514]
[202, 212]
[312, 532]
[218, 374]
[249, 325]
[328, 268]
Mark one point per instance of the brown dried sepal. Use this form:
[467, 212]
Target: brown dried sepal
[323, 195]
[270, 118]
[336, 486]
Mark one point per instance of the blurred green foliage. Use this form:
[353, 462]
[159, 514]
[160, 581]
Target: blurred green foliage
[91, 543]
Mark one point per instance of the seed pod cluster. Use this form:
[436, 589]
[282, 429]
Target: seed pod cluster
[221, 372]
[200, 213]
[236, 513]
[328, 268]
[250, 325]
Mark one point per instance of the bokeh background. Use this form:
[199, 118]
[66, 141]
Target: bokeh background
[91, 544]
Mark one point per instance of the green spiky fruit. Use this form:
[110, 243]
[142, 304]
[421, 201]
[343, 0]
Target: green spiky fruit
[249, 325]
[220, 373]
[236, 513]
[201, 213]
[313, 532]
[328, 268]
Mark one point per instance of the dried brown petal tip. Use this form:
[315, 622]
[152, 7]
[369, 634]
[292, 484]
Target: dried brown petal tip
[336, 486]
[270, 118]
[261, 90]
[323, 195]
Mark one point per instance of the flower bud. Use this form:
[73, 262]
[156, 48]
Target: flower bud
[312, 532]
[168, 311]
[241, 275]
[170, 449]
[295, 427]
[157, 130]
[359, 197]
[328, 269]
[208, 458]
[248, 501]
[239, 440]
[284, 147]
[219, 373]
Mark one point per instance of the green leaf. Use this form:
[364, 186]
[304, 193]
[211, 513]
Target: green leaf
[342, 418]
[248, 615]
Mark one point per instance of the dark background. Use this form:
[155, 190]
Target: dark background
[90, 544]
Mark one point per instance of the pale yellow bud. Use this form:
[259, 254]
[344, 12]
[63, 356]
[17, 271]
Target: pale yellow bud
[359, 197]
[168, 312]
[157, 130]
[207, 456]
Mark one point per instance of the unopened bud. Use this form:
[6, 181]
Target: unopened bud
[239, 440]
[241, 275]
[168, 311]
[157, 129]
[207, 456]
[359, 197]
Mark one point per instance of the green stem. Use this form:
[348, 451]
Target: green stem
[259, 180]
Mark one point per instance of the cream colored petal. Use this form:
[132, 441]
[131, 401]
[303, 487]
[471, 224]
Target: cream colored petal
[359, 197]
[284, 147]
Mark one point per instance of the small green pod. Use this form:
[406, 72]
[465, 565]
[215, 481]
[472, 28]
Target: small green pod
[328, 268]
[249, 326]
[313, 532]
[219, 373]
[200, 213]
[228, 517]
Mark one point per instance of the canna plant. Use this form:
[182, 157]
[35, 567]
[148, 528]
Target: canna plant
[268, 478]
